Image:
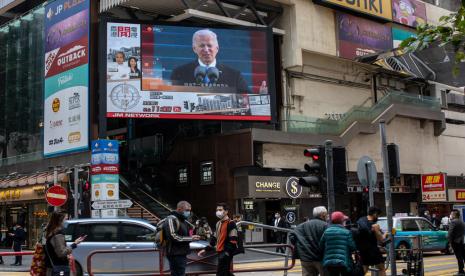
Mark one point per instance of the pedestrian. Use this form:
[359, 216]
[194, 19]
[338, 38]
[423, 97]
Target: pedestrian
[203, 229]
[337, 246]
[176, 229]
[306, 239]
[56, 252]
[367, 238]
[445, 223]
[240, 233]
[455, 237]
[427, 216]
[435, 220]
[19, 236]
[225, 240]
[280, 236]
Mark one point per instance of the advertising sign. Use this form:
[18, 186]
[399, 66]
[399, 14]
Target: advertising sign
[163, 71]
[456, 195]
[376, 8]
[399, 35]
[409, 12]
[293, 189]
[433, 187]
[66, 77]
[359, 37]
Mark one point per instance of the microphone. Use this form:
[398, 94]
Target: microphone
[213, 74]
[199, 74]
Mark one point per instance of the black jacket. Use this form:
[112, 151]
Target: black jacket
[456, 231]
[184, 75]
[306, 238]
[19, 236]
[176, 230]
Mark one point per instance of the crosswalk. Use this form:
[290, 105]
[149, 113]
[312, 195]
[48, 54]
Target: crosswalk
[435, 265]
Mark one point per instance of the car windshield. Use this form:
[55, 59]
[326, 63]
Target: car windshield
[383, 224]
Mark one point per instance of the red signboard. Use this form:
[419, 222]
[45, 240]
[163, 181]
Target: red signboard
[105, 169]
[433, 187]
[56, 196]
[63, 59]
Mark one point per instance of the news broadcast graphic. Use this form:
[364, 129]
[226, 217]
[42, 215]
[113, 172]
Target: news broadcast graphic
[66, 92]
[359, 36]
[105, 174]
[433, 187]
[165, 71]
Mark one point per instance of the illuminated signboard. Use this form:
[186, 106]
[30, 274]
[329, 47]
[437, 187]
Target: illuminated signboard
[433, 187]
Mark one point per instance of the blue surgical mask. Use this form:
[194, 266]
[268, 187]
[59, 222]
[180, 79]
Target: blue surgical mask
[186, 214]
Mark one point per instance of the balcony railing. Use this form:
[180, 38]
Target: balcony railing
[33, 156]
[360, 114]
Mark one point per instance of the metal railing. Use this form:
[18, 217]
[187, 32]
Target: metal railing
[359, 113]
[203, 261]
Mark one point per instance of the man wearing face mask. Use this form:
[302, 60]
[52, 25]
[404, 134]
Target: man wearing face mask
[224, 241]
[368, 237]
[177, 235]
[455, 237]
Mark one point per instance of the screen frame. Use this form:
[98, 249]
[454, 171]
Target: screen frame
[102, 67]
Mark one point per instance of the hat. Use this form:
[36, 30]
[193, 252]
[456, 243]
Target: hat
[338, 217]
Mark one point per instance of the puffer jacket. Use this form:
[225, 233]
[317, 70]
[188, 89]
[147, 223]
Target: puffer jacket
[337, 244]
[306, 239]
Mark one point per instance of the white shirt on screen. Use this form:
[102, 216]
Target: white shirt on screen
[118, 71]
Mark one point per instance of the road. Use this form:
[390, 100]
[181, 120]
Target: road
[435, 265]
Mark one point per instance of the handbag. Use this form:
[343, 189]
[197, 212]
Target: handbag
[58, 270]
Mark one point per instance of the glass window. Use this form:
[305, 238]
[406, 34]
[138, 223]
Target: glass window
[21, 86]
[206, 173]
[136, 233]
[183, 176]
[102, 233]
[425, 225]
[409, 225]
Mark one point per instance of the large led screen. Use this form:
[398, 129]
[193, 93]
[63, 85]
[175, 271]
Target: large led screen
[180, 72]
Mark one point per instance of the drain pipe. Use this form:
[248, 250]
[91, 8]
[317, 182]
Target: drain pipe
[374, 89]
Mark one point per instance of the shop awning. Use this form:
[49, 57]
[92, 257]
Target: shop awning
[20, 180]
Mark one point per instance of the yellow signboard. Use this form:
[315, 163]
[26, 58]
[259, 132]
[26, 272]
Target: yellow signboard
[378, 8]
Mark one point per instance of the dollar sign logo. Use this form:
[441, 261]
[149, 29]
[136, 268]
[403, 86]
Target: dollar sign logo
[293, 188]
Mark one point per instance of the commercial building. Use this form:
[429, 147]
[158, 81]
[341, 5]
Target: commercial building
[251, 152]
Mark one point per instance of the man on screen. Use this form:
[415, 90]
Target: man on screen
[206, 70]
[118, 70]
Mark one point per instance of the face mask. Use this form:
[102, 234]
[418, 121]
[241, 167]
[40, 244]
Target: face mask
[14, 228]
[220, 214]
[186, 214]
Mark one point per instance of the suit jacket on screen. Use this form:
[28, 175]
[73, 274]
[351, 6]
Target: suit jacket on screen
[184, 75]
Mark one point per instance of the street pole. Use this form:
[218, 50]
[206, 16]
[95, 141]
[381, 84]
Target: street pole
[76, 192]
[330, 175]
[55, 183]
[387, 195]
[371, 198]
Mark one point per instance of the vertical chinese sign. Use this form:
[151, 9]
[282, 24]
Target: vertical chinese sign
[66, 91]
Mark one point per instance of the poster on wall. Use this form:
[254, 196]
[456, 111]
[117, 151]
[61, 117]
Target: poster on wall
[409, 12]
[359, 37]
[433, 187]
[165, 71]
[399, 35]
[66, 75]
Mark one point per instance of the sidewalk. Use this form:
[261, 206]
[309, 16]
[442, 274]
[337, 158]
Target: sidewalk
[6, 267]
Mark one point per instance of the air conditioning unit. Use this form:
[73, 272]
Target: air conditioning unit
[440, 92]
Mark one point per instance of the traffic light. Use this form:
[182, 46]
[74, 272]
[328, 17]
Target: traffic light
[316, 169]
[85, 186]
[340, 170]
[393, 160]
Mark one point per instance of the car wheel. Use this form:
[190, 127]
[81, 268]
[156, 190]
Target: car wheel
[402, 250]
[449, 250]
[78, 270]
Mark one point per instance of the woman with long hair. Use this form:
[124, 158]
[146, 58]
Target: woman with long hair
[134, 71]
[56, 252]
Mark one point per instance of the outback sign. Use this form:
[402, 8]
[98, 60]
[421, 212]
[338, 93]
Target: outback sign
[376, 8]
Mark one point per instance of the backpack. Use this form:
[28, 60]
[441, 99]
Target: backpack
[160, 237]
